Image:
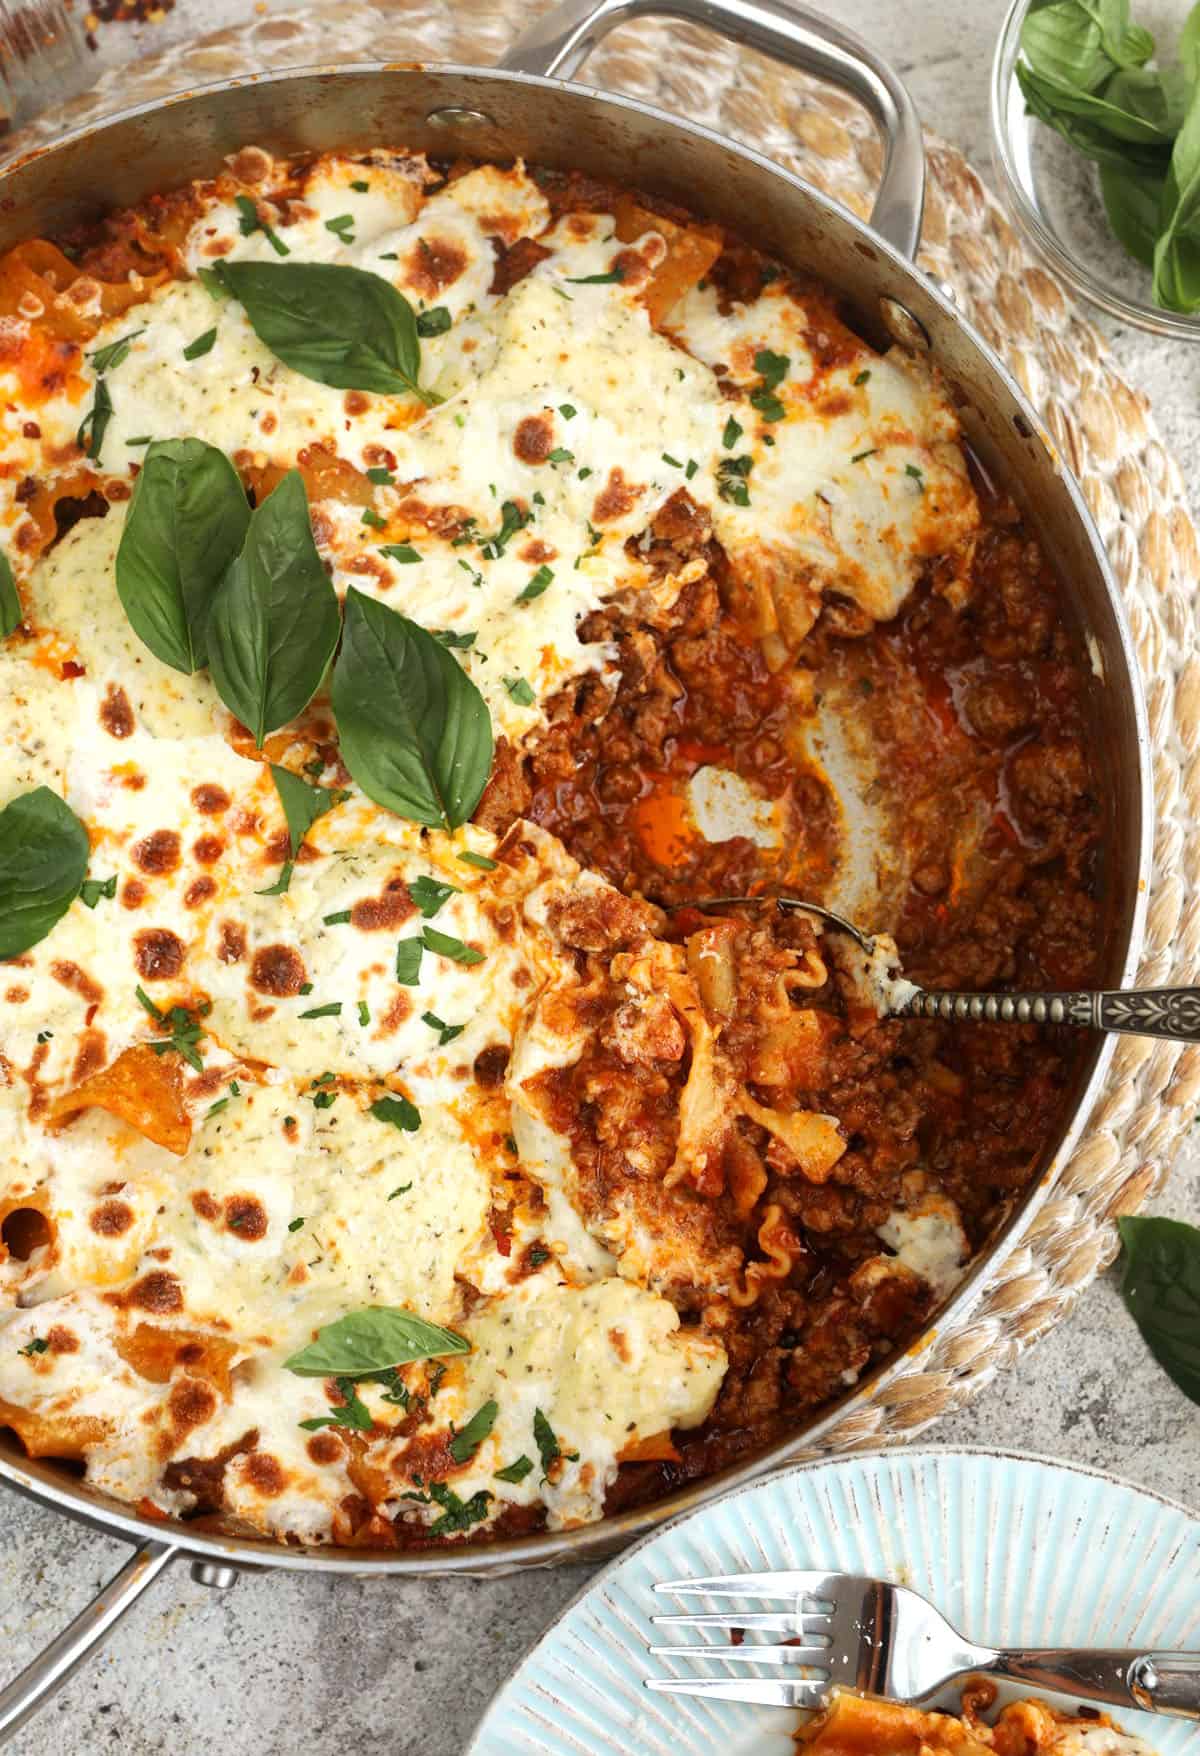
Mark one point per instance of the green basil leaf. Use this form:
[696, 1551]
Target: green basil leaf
[1126, 43]
[11, 613]
[515, 1472]
[1063, 43]
[459, 1514]
[274, 621]
[372, 1340]
[1137, 106]
[342, 326]
[1088, 137]
[445, 945]
[1161, 1289]
[187, 521]
[302, 804]
[106, 358]
[1188, 47]
[203, 344]
[468, 1439]
[429, 895]
[1133, 203]
[1177, 252]
[397, 1112]
[415, 731]
[549, 1449]
[408, 961]
[43, 862]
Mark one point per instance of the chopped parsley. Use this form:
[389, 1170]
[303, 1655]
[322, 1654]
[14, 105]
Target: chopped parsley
[435, 322]
[692, 467]
[295, 1224]
[305, 987]
[446, 1033]
[250, 223]
[142, 439]
[371, 517]
[402, 1190]
[360, 188]
[468, 1439]
[549, 1449]
[402, 552]
[537, 585]
[352, 1411]
[860, 455]
[673, 461]
[36, 1346]
[538, 1254]
[397, 1112]
[92, 889]
[338, 919]
[560, 454]
[584, 473]
[512, 520]
[567, 410]
[107, 359]
[862, 377]
[215, 1109]
[323, 1097]
[519, 691]
[183, 1026]
[382, 478]
[202, 345]
[469, 857]
[731, 435]
[342, 227]
[429, 895]
[458, 1514]
[614, 277]
[364, 1013]
[95, 423]
[767, 404]
[331, 1010]
[731, 479]
[447, 946]
[910, 469]
[773, 367]
[459, 642]
[515, 1472]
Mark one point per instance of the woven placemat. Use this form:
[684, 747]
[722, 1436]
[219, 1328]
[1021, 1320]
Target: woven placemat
[1102, 425]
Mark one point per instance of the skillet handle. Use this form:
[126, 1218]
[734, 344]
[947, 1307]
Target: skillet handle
[38, 1681]
[556, 44]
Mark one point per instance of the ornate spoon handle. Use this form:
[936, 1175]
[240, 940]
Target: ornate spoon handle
[1152, 1012]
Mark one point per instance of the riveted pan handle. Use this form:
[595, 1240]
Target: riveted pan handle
[26, 1693]
[558, 42]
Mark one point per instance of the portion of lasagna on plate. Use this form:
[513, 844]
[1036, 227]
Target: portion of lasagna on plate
[421, 582]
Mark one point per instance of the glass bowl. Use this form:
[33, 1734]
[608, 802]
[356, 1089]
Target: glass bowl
[1054, 193]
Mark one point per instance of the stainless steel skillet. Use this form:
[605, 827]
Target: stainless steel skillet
[526, 107]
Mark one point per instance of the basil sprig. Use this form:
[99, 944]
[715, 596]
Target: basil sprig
[43, 862]
[342, 326]
[415, 731]
[371, 1340]
[10, 602]
[302, 805]
[1083, 72]
[187, 521]
[273, 625]
[1161, 1289]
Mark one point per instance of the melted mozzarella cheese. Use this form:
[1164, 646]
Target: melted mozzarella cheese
[929, 1238]
[72, 601]
[606, 1364]
[857, 484]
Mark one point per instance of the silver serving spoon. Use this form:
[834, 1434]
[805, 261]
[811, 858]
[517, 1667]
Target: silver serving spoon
[1152, 1012]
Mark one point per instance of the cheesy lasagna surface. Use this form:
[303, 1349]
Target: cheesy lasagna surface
[253, 1084]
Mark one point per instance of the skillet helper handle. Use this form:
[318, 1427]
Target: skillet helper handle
[66, 1652]
[1149, 1012]
[1155, 1682]
[556, 45]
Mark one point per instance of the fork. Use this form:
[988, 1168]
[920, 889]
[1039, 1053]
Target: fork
[1173, 1013]
[844, 1631]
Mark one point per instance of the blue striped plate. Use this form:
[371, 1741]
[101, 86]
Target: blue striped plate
[1016, 1551]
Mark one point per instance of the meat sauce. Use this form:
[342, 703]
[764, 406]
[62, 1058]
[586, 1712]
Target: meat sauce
[976, 713]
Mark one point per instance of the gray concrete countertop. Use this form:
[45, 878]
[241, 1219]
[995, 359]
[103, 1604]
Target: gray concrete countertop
[281, 1663]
